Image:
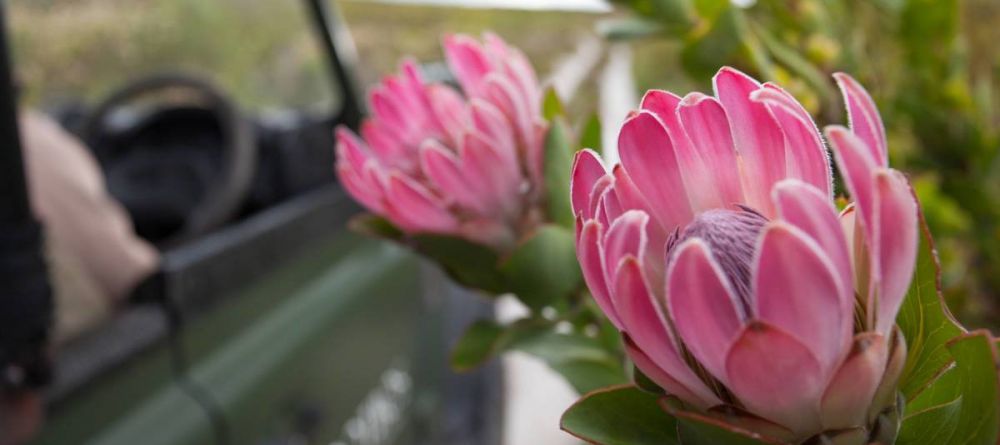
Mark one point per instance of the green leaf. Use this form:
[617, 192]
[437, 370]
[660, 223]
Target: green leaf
[374, 225]
[544, 268]
[485, 339]
[468, 263]
[589, 375]
[643, 382]
[622, 415]
[552, 106]
[627, 28]
[477, 345]
[558, 163]
[710, 9]
[590, 134]
[695, 429]
[677, 16]
[722, 42]
[798, 64]
[961, 406]
[584, 361]
[557, 347]
[925, 321]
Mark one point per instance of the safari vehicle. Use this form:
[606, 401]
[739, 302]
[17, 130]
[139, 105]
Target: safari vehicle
[268, 321]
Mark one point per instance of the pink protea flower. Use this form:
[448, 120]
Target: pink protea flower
[436, 161]
[716, 249]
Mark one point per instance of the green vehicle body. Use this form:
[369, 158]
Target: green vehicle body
[343, 341]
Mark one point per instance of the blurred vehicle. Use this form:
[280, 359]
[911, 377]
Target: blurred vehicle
[267, 321]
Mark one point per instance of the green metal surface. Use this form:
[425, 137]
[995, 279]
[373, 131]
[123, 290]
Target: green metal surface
[291, 356]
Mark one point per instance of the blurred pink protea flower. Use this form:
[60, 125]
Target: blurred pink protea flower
[433, 160]
[716, 249]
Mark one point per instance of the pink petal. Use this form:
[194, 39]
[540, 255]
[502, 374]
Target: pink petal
[353, 161]
[449, 111]
[587, 169]
[413, 206]
[797, 289]
[848, 396]
[516, 66]
[610, 206]
[503, 94]
[860, 262]
[629, 198]
[350, 149]
[468, 61]
[588, 252]
[776, 377]
[857, 167]
[812, 211]
[707, 126]
[647, 154]
[488, 175]
[896, 237]
[699, 182]
[885, 395]
[387, 146]
[626, 237]
[847, 224]
[702, 305]
[390, 112]
[758, 139]
[865, 120]
[444, 170]
[600, 187]
[807, 157]
[492, 124]
[669, 384]
[361, 190]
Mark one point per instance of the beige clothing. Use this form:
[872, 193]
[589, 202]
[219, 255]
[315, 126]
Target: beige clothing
[94, 255]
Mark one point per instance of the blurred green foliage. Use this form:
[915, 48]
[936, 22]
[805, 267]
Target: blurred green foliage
[933, 66]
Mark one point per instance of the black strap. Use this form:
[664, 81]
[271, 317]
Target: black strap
[25, 307]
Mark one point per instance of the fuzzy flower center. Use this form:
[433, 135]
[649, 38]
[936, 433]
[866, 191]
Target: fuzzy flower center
[732, 237]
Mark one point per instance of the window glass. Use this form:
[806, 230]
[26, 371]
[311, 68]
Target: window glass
[263, 52]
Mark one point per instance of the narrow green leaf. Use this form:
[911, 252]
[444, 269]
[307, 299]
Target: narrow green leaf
[590, 134]
[798, 64]
[543, 268]
[622, 415]
[468, 263]
[925, 321]
[558, 163]
[552, 106]
[627, 28]
[722, 42]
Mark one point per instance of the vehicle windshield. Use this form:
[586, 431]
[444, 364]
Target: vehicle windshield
[263, 52]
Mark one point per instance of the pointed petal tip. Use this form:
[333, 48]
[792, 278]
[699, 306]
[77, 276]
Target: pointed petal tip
[694, 98]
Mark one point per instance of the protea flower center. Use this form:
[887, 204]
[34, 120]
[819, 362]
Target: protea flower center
[732, 236]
